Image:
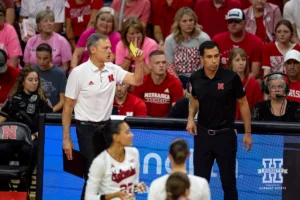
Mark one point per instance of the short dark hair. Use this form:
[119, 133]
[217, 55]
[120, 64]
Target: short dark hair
[44, 48]
[207, 45]
[156, 53]
[179, 150]
[111, 128]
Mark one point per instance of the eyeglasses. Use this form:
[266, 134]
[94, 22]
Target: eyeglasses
[277, 87]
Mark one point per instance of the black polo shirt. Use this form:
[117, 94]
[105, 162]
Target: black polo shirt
[217, 97]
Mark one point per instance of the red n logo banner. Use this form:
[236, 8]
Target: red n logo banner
[220, 86]
[9, 132]
[111, 78]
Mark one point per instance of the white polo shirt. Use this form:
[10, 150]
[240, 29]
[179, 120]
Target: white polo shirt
[94, 90]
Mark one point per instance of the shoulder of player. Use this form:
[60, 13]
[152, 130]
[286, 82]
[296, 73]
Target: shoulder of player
[227, 73]
[112, 67]
[197, 182]
[132, 150]
[159, 182]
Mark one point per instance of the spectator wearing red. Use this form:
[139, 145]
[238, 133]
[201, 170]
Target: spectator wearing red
[30, 9]
[133, 30]
[261, 19]
[182, 46]
[217, 10]
[8, 76]
[105, 23]
[292, 65]
[162, 17]
[160, 90]
[139, 9]
[9, 40]
[273, 53]
[61, 49]
[128, 104]
[238, 62]
[237, 36]
[80, 15]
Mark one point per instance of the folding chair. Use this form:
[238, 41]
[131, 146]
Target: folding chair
[16, 135]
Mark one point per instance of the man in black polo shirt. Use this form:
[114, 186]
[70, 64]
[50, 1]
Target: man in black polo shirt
[215, 91]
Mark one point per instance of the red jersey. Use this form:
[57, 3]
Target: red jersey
[251, 44]
[7, 81]
[163, 14]
[133, 106]
[253, 95]
[294, 94]
[80, 14]
[205, 9]
[159, 98]
[273, 58]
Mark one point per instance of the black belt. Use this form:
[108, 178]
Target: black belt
[92, 123]
[214, 132]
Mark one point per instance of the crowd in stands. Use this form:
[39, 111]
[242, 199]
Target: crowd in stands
[256, 39]
[253, 38]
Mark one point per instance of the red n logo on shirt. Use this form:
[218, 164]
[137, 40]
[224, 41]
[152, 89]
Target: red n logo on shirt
[9, 132]
[220, 86]
[111, 78]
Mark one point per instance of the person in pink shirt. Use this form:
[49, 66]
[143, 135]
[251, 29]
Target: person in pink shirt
[61, 49]
[139, 9]
[133, 29]
[105, 23]
[9, 40]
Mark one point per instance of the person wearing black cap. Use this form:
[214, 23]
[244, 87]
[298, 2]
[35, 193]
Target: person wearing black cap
[237, 36]
[8, 76]
[215, 91]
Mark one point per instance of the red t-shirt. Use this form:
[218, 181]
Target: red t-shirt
[251, 44]
[80, 14]
[261, 30]
[163, 14]
[273, 58]
[253, 95]
[205, 9]
[159, 98]
[7, 81]
[294, 94]
[133, 106]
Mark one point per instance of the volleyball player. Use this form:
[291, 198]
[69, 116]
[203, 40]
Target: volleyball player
[114, 174]
[178, 154]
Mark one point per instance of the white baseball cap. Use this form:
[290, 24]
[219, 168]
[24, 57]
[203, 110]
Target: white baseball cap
[235, 14]
[292, 54]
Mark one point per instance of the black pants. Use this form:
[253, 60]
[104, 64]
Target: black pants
[91, 141]
[223, 148]
[21, 153]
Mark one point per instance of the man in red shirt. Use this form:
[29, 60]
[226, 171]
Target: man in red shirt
[8, 76]
[217, 10]
[163, 13]
[160, 90]
[128, 104]
[237, 36]
[292, 65]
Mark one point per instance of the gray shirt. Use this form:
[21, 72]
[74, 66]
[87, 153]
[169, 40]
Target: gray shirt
[53, 82]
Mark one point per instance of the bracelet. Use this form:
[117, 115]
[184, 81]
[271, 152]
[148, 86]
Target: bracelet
[130, 59]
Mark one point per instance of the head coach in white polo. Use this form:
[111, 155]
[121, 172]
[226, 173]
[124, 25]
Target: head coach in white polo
[90, 92]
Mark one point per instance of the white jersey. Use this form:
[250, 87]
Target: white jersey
[199, 189]
[107, 176]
